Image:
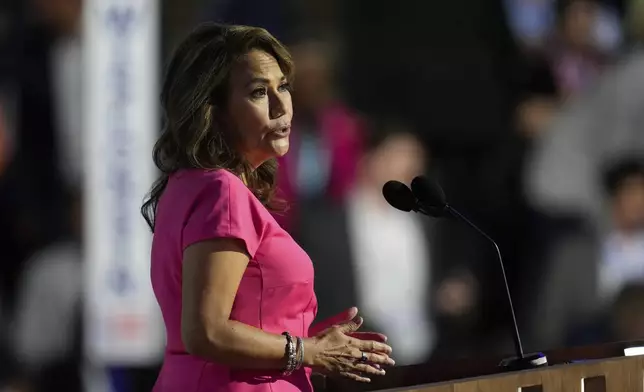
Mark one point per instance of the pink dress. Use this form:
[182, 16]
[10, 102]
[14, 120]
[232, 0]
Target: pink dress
[275, 293]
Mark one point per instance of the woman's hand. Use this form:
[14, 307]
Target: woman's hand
[343, 318]
[334, 350]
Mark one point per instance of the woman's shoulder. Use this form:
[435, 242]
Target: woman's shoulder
[207, 178]
[197, 186]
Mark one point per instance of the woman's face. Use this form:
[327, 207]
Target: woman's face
[259, 108]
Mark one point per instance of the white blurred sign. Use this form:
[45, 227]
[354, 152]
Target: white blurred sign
[121, 46]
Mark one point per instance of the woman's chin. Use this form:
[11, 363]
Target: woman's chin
[280, 148]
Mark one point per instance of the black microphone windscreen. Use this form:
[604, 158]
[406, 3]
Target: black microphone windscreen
[428, 192]
[399, 196]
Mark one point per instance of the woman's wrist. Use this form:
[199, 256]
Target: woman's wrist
[310, 352]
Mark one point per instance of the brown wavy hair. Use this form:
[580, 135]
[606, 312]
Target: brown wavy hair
[195, 89]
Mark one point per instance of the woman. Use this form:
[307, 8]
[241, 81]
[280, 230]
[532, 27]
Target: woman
[235, 290]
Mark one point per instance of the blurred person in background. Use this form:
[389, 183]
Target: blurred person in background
[47, 328]
[40, 104]
[563, 48]
[363, 243]
[599, 126]
[453, 80]
[328, 137]
[49, 134]
[59, 95]
[587, 270]
[622, 257]
[563, 44]
[532, 24]
[586, 33]
[50, 296]
[45, 90]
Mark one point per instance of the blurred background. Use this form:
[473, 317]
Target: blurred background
[530, 113]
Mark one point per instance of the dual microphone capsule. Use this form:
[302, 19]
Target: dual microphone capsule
[428, 198]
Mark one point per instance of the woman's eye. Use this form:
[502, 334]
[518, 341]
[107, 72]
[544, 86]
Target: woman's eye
[259, 92]
[285, 87]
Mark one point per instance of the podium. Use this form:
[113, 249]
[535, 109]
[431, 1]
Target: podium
[602, 368]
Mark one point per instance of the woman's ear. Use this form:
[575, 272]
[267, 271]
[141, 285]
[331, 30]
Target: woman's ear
[218, 116]
[214, 116]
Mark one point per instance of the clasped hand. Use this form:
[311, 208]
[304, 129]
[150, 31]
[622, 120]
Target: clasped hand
[337, 348]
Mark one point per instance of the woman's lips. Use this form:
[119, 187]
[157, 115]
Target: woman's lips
[284, 132]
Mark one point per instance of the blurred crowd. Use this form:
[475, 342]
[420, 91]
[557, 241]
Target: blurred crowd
[530, 113]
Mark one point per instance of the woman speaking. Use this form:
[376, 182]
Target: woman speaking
[235, 290]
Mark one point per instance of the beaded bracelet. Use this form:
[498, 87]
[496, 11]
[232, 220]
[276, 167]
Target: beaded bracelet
[291, 357]
[300, 352]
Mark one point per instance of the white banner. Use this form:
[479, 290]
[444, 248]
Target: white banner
[121, 49]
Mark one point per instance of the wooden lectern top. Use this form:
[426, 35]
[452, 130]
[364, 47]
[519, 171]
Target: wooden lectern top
[602, 368]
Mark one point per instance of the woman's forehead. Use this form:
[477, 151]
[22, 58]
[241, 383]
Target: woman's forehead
[257, 66]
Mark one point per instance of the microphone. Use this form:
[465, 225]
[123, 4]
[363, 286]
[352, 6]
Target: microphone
[429, 199]
[399, 196]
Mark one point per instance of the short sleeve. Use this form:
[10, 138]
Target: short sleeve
[224, 208]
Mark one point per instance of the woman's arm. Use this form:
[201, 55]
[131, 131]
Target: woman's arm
[212, 271]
